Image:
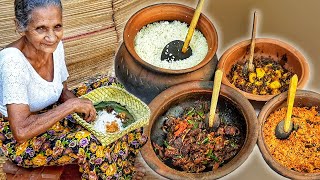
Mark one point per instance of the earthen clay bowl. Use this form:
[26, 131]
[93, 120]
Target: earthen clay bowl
[169, 12]
[147, 81]
[264, 47]
[303, 98]
[196, 89]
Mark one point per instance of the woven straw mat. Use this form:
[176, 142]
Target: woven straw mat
[139, 110]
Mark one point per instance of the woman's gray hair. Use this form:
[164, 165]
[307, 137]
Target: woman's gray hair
[23, 10]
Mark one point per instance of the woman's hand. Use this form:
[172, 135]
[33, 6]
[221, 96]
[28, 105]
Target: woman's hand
[85, 106]
[26, 125]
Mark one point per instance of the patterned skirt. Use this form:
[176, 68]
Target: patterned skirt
[67, 142]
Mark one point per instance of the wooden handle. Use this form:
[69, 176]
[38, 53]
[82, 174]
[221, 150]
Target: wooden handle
[192, 26]
[253, 41]
[290, 101]
[215, 96]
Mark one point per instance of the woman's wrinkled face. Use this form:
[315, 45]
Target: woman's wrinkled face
[44, 30]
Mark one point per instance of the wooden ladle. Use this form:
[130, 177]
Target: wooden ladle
[214, 120]
[177, 49]
[285, 127]
[249, 67]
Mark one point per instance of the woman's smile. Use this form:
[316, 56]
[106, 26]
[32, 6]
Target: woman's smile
[45, 29]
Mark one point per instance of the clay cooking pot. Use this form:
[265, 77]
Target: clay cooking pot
[264, 47]
[303, 98]
[145, 80]
[196, 89]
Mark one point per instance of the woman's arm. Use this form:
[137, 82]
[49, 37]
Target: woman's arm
[66, 94]
[26, 125]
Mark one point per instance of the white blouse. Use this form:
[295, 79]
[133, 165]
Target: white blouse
[21, 84]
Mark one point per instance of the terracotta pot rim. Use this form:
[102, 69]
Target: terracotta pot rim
[170, 95]
[303, 63]
[210, 54]
[272, 163]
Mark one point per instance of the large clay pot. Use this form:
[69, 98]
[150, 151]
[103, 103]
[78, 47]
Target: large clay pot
[195, 89]
[303, 98]
[145, 80]
[264, 47]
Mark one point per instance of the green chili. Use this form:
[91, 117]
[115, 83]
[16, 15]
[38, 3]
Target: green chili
[212, 156]
[166, 143]
[205, 140]
[191, 112]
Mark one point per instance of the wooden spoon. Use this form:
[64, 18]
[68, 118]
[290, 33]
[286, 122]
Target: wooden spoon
[214, 120]
[285, 127]
[249, 65]
[177, 49]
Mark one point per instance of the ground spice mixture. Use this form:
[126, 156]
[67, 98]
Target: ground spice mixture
[301, 151]
[268, 78]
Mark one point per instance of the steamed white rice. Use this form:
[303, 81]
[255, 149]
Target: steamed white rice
[103, 118]
[151, 40]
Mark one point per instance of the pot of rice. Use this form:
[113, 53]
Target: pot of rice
[181, 146]
[298, 156]
[138, 64]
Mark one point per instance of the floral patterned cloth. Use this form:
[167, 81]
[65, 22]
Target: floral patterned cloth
[67, 142]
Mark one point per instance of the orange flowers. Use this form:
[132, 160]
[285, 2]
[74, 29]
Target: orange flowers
[117, 147]
[111, 170]
[64, 159]
[39, 160]
[93, 147]
[100, 152]
[82, 134]
[82, 90]
[57, 127]
[22, 148]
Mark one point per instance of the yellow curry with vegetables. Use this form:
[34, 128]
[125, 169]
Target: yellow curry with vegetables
[268, 78]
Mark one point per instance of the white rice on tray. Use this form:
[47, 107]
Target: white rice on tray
[103, 118]
[151, 40]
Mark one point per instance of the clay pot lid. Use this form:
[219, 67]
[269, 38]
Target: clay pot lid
[163, 12]
[237, 52]
[166, 99]
[303, 98]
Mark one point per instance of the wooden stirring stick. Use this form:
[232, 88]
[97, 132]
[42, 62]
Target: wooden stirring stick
[192, 26]
[253, 41]
[285, 126]
[215, 96]
[290, 101]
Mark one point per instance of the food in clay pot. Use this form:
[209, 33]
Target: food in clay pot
[268, 78]
[138, 64]
[152, 38]
[297, 156]
[275, 63]
[181, 144]
[190, 145]
[301, 151]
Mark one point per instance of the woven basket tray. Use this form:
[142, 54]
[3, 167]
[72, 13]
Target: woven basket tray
[139, 110]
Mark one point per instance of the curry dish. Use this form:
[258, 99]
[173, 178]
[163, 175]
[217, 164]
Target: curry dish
[191, 146]
[112, 127]
[269, 77]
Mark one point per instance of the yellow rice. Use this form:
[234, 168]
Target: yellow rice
[301, 151]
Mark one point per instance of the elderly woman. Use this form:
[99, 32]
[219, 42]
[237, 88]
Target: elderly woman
[33, 76]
